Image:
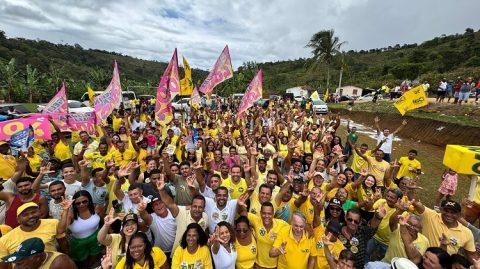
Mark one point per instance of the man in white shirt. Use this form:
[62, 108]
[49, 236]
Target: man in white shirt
[132, 198]
[387, 138]
[220, 209]
[162, 224]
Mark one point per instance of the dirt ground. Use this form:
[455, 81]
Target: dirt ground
[430, 156]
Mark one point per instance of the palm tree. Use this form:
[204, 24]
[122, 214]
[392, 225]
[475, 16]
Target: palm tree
[325, 45]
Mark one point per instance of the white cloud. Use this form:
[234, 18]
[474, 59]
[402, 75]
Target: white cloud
[254, 30]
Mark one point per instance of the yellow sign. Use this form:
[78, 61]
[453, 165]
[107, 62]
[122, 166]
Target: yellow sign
[463, 159]
[412, 99]
[315, 96]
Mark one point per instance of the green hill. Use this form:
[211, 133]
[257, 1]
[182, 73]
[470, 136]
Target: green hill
[445, 56]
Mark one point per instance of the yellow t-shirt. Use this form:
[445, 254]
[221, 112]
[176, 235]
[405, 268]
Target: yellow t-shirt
[396, 248]
[405, 163]
[297, 252]
[62, 151]
[358, 162]
[265, 239]
[38, 147]
[75, 136]
[378, 170]
[116, 123]
[383, 231]
[122, 159]
[235, 190]
[159, 258]
[35, 162]
[47, 231]
[142, 154]
[201, 259]
[307, 209]
[117, 249]
[8, 164]
[283, 150]
[246, 255]
[98, 161]
[433, 227]
[335, 248]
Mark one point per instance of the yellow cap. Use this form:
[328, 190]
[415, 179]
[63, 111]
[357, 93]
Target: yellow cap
[22, 208]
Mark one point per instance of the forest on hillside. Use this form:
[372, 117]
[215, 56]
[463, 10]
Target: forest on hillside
[32, 70]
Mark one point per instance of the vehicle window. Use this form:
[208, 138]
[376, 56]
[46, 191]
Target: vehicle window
[128, 96]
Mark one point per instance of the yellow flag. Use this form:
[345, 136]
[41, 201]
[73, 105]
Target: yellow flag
[186, 84]
[412, 99]
[315, 96]
[91, 94]
[325, 97]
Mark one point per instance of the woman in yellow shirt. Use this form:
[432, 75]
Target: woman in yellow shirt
[193, 251]
[141, 255]
[245, 243]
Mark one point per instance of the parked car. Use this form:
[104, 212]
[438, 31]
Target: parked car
[238, 96]
[319, 107]
[346, 98]
[74, 106]
[369, 97]
[182, 105]
[262, 103]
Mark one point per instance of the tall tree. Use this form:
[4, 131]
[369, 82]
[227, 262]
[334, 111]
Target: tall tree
[31, 81]
[9, 76]
[325, 45]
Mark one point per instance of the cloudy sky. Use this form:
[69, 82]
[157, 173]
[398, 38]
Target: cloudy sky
[255, 30]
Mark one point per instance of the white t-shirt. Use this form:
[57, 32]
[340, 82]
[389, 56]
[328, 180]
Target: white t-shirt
[163, 230]
[224, 259]
[387, 146]
[70, 189]
[130, 207]
[208, 193]
[215, 215]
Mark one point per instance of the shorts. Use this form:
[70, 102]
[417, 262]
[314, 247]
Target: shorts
[463, 96]
[81, 249]
[441, 93]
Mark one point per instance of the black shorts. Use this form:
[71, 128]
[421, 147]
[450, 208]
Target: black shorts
[441, 93]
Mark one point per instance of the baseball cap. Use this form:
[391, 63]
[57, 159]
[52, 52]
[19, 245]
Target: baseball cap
[334, 226]
[452, 205]
[26, 249]
[23, 207]
[4, 142]
[403, 263]
[318, 174]
[298, 179]
[128, 217]
[336, 202]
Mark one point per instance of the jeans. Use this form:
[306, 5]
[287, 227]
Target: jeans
[375, 250]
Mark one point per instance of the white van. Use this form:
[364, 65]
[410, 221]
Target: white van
[126, 97]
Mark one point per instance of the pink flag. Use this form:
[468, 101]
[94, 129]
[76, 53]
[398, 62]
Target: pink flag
[252, 94]
[222, 70]
[195, 99]
[106, 102]
[84, 121]
[39, 123]
[168, 87]
[59, 103]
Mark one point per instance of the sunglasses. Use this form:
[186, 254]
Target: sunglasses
[353, 221]
[335, 208]
[84, 202]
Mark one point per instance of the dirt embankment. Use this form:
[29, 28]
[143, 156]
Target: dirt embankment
[427, 131]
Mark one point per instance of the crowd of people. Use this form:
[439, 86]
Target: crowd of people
[273, 188]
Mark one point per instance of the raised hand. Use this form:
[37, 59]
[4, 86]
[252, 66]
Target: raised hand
[110, 163]
[46, 169]
[66, 203]
[161, 182]
[403, 220]
[190, 181]
[107, 259]
[141, 207]
[305, 191]
[382, 211]
[283, 248]
[376, 119]
[247, 167]
[83, 163]
[109, 219]
[327, 239]
[404, 122]
[444, 240]
[242, 199]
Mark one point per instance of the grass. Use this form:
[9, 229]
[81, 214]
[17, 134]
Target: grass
[466, 115]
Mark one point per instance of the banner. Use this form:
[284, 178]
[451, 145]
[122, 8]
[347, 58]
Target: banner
[186, 84]
[462, 159]
[84, 121]
[411, 99]
[195, 99]
[59, 103]
[23, 139]
[325, 98]
[168, 85]
[315, 96]
[106, 102]
[91, 95]
[252, 94]
[222, 70]
[39, 123]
